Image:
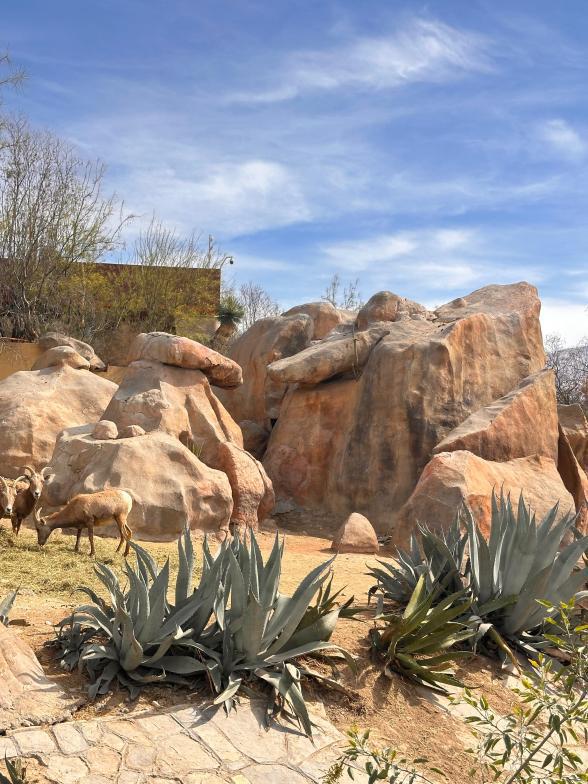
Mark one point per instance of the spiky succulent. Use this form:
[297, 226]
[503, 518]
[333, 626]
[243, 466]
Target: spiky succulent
[6, 606]
[437, 555]
[17, 772]
[418, 644]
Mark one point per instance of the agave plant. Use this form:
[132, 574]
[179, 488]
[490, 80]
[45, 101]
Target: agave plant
[6, 606]
[439, 556]
[138, 636]
[17, 772]
[264, 632]
[522, 564]
[418, 643]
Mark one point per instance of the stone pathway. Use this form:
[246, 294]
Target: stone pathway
[185, 745]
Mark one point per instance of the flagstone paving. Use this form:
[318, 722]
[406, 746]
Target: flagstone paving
[185, 745]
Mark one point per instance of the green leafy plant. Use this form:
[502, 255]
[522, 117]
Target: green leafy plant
[438, 556]
[379, 764]
[6, 606]
[418, 644]
[532, 745]
[17, 772]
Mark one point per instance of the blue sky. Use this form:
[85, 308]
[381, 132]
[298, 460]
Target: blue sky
[426, 148]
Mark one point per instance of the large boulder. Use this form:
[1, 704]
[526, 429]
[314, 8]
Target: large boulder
[268, 340]
[36, 405]
[335, 356]
[188, 354]
[574, 478]
[509, 427]
[55, 339]
[325, 317]
[387, 306]
[360, 444]
[575, 427]
[27, 696]
[170, 486]
[60, 356]
[453, 478]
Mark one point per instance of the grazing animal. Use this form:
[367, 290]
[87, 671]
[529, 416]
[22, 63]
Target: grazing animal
[89, 510]
[18, 498]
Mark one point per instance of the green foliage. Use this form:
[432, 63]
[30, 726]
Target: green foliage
[426, 631]
[440, 557]
[230, 310]
[17, 772]
[6, 606]
[379, 764]
[532, 745]
[234, 626]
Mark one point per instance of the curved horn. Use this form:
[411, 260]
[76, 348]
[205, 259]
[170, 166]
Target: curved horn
[37, 516]
[28, 468]
[5, 483]
[21, 478]
[45, 472]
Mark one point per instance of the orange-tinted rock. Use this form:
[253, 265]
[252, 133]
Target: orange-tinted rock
[189, 354]
[55, 339]
[131, 431]
[520, 424]
[339, 354]
[361, 445]
[255, 438]
[574, 424]
[356, 535]
[325, 317]
[104, 430]
[451, 478]
[574, 478]
[253, 495]
[268, 340]
[387, 306]
[59, 357]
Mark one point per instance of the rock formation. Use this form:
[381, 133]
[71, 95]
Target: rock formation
[356, 535]
[575, 427]
[56, 339]
[36, 405]
[167, 438]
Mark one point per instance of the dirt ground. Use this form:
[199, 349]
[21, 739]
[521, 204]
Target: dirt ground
[397, 713]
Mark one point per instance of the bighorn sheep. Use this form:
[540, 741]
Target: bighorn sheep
[89, 510]
[18, 498]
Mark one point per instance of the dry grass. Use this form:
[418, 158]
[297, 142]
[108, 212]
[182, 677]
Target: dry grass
[56, 571]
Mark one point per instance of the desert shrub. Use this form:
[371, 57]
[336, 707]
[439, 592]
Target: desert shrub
[233, 627]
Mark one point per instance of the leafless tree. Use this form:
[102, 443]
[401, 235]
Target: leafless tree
[346, 298]
[53, 214]
[11, 77]
[570, 365]
[257, 303]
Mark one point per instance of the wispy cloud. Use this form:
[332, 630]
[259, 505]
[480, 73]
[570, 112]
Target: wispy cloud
[563, 139]
[424, 50]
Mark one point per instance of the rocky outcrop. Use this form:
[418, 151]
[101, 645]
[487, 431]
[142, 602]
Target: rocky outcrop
[170, 486]
[386, 306]
[105, 430]
[509, 427]
[255, 438]
[56, 339]
[575, 427]
[356, 535]
[59, 357]
[36, 405]
[574, 478]
[361, 443]
[453, 478]
[187, 354]
[27, 696]
[335, 356]
[268, 340]
[325, 317]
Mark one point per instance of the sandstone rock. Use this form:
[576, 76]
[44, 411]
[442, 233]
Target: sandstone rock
[55, 339]
[185, 353]
[255, 438]
[574, 478]
[451, 478]
[270, 339]
[356, 535]
[27, 696]
[253, 495]
[104, 430]
[350, 445]
[325, 317]
[386, 306]
[171, 488]
[59, 357]
[331, 357]
[35, 405]
[574, 424]
[520, 424]
[131, 431]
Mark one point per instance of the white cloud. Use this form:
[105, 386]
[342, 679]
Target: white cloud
[563, 139]
[425, 50]
[566, 318]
